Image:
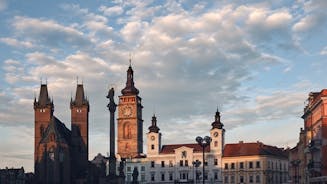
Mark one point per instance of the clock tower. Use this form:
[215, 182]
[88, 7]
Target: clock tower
[217, 134]
[130, 123]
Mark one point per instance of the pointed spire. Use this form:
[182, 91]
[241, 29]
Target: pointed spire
[154, 128]
[130, 89]
[44, 96]
[79, 97]
[217, 123]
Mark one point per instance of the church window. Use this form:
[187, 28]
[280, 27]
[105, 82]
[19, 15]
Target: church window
[162, 163]
[184, 154]
[79, 110]
[152, 164]
[52, 137]
[42, 110]
[216, 144]
[152, 146]
[215, 161]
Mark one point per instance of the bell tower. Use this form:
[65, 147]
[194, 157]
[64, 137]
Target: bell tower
[217, 134]
[153, 138]
[130, 123]
[79, 126]
[43, 112]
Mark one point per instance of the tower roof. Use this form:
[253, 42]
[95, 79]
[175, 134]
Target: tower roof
[154, 128]
[44, 99]
[217, 123]
[130, 89]
[80, 98]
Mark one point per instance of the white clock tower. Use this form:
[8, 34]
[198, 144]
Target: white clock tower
[153, 138]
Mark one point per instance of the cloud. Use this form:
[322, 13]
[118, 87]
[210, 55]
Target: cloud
[15, 43]
[111, 11]
[49, 32]
[323, 51]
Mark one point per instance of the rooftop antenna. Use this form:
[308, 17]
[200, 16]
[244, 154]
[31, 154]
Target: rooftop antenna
[76, 79]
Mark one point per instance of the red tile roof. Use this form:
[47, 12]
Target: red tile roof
[250, 149]
[170, 149]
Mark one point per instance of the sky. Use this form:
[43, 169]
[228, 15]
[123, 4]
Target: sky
[256, 61]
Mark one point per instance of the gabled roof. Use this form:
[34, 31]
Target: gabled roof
[61, 132]
[251, 149]
[170, 149]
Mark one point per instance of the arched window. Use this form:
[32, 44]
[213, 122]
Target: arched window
[127, 131]
[216, 143]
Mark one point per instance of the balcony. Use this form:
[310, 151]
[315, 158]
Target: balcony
[314, 145]
[314, 166]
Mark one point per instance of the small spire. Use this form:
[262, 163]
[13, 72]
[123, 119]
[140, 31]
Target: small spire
[76, 79]
[154, 128]
[130, 59]
[217, 123]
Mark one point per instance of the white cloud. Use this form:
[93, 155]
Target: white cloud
[15, 43]
[111, 11]
[49, 32]
[323, 51]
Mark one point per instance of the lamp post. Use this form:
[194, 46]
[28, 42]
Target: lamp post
[203, 142]
[195, 164]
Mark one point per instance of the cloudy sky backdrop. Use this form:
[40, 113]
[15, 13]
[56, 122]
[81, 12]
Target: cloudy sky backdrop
[256, 61]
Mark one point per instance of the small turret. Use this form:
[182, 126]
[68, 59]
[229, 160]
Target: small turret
[217, 123]
[154, 128]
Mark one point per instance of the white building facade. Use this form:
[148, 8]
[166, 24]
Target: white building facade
[175, 163]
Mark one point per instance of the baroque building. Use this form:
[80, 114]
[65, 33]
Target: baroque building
[308, 160]
[60, 154]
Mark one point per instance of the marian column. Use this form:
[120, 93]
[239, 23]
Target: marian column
[112, 108]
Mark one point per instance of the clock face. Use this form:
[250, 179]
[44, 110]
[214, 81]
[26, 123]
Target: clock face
[152, 137]
[127, 111]
[215, 134]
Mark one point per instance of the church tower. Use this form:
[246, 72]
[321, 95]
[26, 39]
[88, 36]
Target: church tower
[130, 123]
[217, 134]
[80, 136]
[153, 138]
[43, 112]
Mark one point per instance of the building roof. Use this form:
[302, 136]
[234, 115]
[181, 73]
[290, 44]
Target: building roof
[61, 132]
[44, 99]
[251, 149]
[130, 89]
[170, 149]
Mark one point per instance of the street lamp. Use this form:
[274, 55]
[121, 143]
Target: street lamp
[196, 164]
[203, 142]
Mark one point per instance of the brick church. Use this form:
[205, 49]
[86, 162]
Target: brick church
[60, 155]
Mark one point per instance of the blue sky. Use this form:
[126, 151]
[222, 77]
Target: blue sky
[256, 61]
